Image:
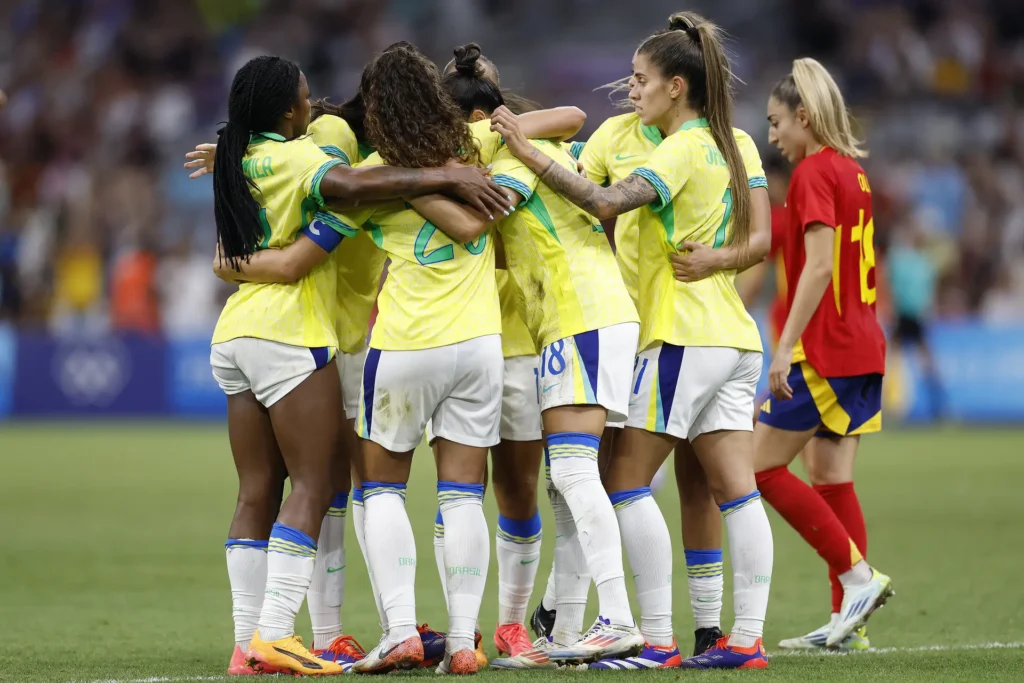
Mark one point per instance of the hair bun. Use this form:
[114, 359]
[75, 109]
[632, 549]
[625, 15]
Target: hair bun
[679, 22]
[466, 59]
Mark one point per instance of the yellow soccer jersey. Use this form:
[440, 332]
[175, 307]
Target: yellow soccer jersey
[515, 336]
[300, 313]
[559, 256]
[437, 292]
[358, 260]
[694, 204]
[617, 148]
[488, 140]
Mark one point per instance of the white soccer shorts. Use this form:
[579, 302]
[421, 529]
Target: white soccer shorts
[267, 368]
[689, 391]
[456, 387]
[590, 368]
[520, 400]
[350, 370]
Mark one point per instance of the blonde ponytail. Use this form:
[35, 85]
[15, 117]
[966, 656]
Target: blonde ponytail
[811, 85]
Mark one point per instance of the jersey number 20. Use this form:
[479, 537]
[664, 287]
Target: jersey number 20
[441, 254]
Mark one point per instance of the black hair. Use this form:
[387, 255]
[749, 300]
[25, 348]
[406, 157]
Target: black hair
[261, 92]
[467, 84]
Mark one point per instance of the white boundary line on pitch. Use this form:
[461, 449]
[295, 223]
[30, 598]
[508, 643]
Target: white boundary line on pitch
[784, 653]
[882, 650]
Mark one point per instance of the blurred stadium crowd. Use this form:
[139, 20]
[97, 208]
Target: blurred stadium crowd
[100, 227]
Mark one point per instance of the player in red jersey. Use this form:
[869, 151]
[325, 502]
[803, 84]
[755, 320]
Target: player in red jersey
[826, 376]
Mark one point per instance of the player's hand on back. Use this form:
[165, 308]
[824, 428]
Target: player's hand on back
[201, 159]
[473, 185]
[694, 262]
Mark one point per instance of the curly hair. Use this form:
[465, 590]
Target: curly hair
[410, 118]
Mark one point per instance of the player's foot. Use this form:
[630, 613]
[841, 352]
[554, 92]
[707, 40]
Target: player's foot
[240, 666]
[602, 641]
[725, 656]
[704, 639]
[858, 604]
[481, 657]
[519, 653]
[407, 654]
[815, 640]
[543, 621]
[288, 655]
[651, 657]
[461, 663]
[433, 645]
[344, 650]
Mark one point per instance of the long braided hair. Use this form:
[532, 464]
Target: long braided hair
[261, 92]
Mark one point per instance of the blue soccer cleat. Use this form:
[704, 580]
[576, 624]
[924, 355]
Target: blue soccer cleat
[725, 656]
[651, 657]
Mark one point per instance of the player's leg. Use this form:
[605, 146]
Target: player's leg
[327, 590]
[261, 476]
[702, 544]
[302, 392]
[585, 381]
[390, 431]
[466, 425]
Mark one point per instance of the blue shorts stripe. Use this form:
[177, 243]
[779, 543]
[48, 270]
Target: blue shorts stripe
[670, 363]
[321, 356]
[369, 382]
[245, 543]
[588, 345]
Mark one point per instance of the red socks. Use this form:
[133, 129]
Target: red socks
[843, 501]
[811, 516]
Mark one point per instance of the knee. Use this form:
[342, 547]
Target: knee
[516, 494]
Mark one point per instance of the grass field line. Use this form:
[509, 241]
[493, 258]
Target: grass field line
[893, 650]
[784, 653]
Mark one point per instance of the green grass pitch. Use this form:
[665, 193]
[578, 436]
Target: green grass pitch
[112, 562]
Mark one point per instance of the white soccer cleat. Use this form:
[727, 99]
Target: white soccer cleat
[816, 639]
[858, 604]
[602, 640]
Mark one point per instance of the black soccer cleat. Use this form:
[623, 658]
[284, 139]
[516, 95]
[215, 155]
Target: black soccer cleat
[704, 639]
[542, 622]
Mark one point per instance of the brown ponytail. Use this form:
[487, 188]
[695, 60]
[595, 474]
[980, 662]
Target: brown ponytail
[692, 48]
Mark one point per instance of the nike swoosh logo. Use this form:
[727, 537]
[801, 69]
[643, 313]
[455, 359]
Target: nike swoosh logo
[299, 658]
[547, 389]
[333, 570]
[528, 561]
[623, 157]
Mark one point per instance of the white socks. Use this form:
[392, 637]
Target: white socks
[358, 522]
[467, 554]
[327, 589]
[857, 575]
[571, 576]
[439, 556]
[548, 601]
[704, 576]
[392, 552]
[574, 472]
[247, 574]
[751, 552]
[649, 547]
[290, 560]
[518, 545]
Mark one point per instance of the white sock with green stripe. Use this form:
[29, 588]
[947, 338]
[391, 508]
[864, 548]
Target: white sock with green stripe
[574, 472]
[392, 549]
[571, 575]
[327, 589]
[247, 573]
[358, 520]
[518, 550]
[290, 558]
[704, 576]
[467, 553]
[751, 552]
[649, 548]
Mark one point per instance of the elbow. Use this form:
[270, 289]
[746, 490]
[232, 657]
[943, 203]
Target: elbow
[291, 271]
[577, 116]
[822, 272]
[604, 212]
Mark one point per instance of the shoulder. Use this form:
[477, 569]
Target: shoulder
[328, 123]
[813, 168]
[372, 160]
[334, 136]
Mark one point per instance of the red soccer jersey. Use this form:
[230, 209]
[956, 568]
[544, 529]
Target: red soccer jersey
[843, 337]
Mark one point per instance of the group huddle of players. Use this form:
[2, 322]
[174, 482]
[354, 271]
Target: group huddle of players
[507, 324]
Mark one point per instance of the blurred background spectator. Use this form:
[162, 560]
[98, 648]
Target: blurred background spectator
[100, 227]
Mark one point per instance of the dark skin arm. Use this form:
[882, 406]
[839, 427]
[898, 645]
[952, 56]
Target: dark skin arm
[601, 202]
[273, 265]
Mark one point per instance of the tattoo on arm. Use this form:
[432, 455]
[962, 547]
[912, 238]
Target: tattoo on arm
[603, 202]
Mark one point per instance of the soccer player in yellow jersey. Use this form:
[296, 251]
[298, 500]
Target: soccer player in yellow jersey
[700, 353]
[273, 345]
[616, 149]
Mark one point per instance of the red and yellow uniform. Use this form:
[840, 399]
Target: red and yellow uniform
[839, 360]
